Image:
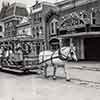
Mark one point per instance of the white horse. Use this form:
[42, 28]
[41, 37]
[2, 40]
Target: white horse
[56, 59]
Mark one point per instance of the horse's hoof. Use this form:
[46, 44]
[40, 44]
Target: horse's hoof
[54, 78]
[68, 80]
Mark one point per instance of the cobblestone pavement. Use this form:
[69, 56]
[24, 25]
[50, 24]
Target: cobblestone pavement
[36, 87]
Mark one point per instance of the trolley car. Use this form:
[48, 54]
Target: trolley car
[16, 54]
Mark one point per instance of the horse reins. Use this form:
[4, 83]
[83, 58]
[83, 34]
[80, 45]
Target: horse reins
[51, 58]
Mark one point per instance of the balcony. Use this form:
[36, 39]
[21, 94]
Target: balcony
[80, 30]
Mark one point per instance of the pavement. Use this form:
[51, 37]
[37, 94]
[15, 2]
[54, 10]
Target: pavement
[35, 87]
[80, 71]
[87, 71]
[83, 86]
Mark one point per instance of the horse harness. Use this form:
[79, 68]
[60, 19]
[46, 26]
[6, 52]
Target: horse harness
[63, 57]
[50, 59]
[60, 56]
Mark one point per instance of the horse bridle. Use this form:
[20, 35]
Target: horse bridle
[62, 56]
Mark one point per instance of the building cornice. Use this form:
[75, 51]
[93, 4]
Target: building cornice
[6, 18]
[63, 2]
[72, 5]
[48, 3]
[81, 34]
[10, 18]
[23, 24]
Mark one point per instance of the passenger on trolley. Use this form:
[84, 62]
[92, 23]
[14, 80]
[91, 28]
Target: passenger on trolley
[1, 54]
[19, 56]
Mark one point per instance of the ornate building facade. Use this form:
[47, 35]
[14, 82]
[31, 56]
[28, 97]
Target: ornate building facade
[24, 27]
[12, 16]
[39, 24]
[65, 23]
[79, 25]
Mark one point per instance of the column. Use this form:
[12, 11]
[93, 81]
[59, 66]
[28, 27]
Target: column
[60, 42]
[71, 42]
[82, 49]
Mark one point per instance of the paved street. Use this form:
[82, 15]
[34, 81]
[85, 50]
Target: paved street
[35, 87]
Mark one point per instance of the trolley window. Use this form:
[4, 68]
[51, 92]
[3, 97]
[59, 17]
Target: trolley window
[0, 28]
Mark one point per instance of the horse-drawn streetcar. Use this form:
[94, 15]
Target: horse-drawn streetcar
[16, 54]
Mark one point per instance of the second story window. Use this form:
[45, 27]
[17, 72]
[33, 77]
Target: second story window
[93, 16]
[37, 31]
[56, 27]
[52, 27]
[0, 28]
[41, 30]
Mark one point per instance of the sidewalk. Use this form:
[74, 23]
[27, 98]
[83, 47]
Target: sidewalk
[87, 71]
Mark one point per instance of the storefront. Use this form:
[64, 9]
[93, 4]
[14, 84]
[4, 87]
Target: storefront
[92, 48]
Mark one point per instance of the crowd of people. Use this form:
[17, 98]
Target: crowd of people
[10, 55]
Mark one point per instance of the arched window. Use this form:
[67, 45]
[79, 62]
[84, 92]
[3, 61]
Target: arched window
[53, 26]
